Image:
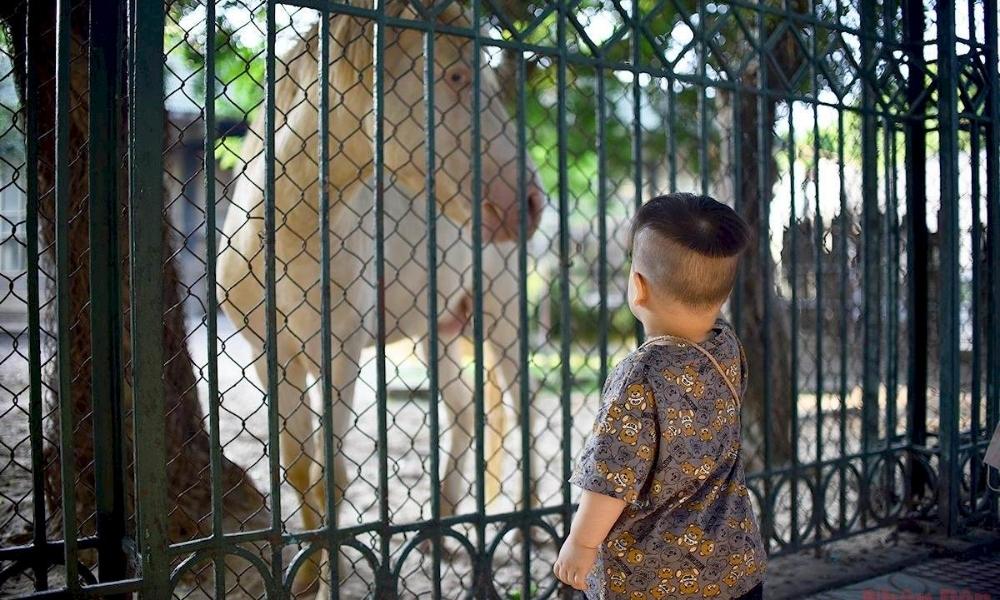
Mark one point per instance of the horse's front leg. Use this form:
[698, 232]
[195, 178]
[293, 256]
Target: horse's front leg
[504, 341]
[459, 422]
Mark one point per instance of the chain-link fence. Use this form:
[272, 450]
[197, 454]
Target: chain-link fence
[328, 310]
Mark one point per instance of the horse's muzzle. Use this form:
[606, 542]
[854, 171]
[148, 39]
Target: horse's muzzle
[501, 216]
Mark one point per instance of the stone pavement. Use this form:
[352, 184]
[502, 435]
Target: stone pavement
[950, 578]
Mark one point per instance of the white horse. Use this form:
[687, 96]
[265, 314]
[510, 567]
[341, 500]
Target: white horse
[241, 261]
[406, 310]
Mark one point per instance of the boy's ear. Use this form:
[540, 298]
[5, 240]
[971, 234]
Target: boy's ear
[641, 287]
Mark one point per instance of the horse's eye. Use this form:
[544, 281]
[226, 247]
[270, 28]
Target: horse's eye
[458, 76]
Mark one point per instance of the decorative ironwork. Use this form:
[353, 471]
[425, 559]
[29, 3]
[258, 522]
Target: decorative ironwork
[356, 347]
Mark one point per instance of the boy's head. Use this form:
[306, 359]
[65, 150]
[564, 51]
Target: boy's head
[685, 249]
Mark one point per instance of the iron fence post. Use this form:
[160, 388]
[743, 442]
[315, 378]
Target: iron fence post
[915, 140]
[992, 143]
[36, 408]
[145, 262]
[870, 252]
[105, 360]
[67, 414]
[949, 302]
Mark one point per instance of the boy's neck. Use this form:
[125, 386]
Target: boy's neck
[696, 327]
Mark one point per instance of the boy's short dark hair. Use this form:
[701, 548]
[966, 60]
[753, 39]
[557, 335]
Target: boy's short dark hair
[688, 246]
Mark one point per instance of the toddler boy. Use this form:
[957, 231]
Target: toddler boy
[665, 511]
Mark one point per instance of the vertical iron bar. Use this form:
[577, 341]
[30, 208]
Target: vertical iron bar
[672, 135]
[326, 306]
[975, 459]
[915, 140]
[212, 303]
[31, 107]
[992, 143]
[793, 384]
[891, 307]
[949, 303]
[564, 264]
[819, 518]
[735, 146]
[482, 588]
[602, 224]
[67, 418]
[637, 161]
[271, 297]
[146, 302]
[432, 308]
[870, 252]
[702, 98]
[845, 232]
[764, 250]
[105, 362]
[385, 587]
[527, 486]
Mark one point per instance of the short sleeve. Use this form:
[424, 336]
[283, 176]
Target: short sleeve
[621, 451]
[744, 370]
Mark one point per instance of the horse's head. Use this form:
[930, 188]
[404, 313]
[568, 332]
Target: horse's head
[454, 89]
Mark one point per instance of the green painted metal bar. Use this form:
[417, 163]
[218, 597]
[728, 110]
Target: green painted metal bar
[430, 76]
[384, 586]
[949, 302]
[527, 481]
[326, 307]
[67, 418]
[602, 223]
[211, 300]
[764, 249]
[766, 10]
[736, 141]
[635, 24]
[819, 508]
[992, 144]
[915, 140]
[672, 135]
[482, 572]
[976, 466]
[145, 259]
[346, 533]
[702, 97]
[891, 311]
[36, 407]
[105, 339]
[845, 230]
[870, 251]
[565, 337]
[793, 383]
[274, 421]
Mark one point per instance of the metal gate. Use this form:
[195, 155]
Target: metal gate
[223, 300]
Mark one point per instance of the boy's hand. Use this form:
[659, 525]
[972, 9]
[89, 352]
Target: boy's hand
[574, 563]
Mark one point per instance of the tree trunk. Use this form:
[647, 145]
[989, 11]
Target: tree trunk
[188, 473]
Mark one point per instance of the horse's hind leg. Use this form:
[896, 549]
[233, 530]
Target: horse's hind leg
[344, 372]
[298, 448]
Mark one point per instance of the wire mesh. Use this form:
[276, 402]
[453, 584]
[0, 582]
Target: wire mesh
[390, 301]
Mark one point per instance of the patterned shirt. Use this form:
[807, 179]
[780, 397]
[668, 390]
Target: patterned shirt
[667, 441]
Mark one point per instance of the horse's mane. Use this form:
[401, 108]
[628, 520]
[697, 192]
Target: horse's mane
[296, 71]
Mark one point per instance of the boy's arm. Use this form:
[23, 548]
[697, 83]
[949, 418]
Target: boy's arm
[593, 520]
